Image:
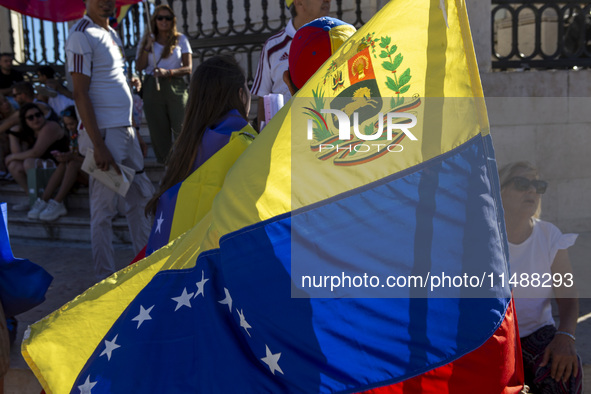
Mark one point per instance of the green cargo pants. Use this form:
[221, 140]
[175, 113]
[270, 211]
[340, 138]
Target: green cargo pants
[164, 110]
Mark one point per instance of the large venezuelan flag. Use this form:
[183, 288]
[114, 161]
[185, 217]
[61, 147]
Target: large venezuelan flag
[222, 308]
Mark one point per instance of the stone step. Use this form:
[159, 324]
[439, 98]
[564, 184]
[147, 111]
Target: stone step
[75, 226]
[154, 170]
[11, 193]
[70, 263]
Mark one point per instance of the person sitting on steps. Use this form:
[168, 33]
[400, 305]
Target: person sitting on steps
[68, 172]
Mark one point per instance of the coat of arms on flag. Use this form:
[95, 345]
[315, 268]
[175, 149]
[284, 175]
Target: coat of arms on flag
[361, 99]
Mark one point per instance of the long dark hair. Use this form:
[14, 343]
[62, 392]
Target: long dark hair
[214, 91]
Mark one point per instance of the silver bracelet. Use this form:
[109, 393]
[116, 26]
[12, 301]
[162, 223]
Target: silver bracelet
[568, 334]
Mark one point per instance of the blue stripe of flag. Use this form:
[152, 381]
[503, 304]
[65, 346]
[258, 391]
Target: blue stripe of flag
[270, 340]
[160, 234]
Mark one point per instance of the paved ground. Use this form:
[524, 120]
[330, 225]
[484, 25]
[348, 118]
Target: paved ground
[71, 266]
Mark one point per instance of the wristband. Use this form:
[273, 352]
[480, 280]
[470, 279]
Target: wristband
[145, 50]
[571, 336]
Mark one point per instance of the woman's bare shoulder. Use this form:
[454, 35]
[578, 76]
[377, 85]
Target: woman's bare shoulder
[52, 128]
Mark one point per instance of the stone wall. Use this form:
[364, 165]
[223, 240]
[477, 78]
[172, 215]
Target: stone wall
[543, 117]
[8, 18]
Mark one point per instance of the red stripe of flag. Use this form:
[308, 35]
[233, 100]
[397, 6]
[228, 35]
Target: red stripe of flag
[495, 367]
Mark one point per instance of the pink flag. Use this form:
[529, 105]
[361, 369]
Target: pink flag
[53, 10]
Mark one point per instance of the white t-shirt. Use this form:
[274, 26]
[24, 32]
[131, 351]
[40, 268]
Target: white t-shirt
[171, 62]
[273, 62]
[535, 256]
[98, 53]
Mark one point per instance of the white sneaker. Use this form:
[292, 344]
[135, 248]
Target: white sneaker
[53, 211]
[38, 207]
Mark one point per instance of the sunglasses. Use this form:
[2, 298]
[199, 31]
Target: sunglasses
[522, 184]
[164, 18]
[33, 116]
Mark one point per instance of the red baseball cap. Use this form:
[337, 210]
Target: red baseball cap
[313, 44]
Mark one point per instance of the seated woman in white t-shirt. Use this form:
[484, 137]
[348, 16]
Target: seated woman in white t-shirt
[539, 260]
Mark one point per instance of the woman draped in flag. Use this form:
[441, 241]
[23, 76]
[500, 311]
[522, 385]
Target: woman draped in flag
[219, 102]
[537, 252]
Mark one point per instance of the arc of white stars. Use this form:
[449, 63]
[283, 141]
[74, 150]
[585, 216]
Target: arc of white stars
[243, 323]
[159, 223]
[109, 347]
[272, 360]
[200, 285]
[183, 300]
[227, 300]
[86, 388]
[143, 316]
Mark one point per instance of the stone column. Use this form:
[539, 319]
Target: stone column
[479, 15]
[11, 27]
